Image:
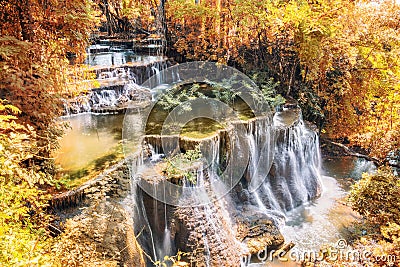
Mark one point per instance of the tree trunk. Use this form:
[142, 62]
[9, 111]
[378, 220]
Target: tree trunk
[111, 24]
[291, 80]
[163, 24]
[25, 18]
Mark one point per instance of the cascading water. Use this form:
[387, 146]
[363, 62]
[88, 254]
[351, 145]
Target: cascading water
[157, 74]
[104, 98]
[294, 177]
[107, 100]
[119, 81]
[282, 173]
[297, 165]
[261, 138]
[136, 206]
[167, 248]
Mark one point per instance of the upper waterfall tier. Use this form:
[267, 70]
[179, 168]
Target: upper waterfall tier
[117, 86]
[114, 99]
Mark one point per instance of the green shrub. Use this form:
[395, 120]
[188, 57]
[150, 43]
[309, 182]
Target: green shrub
[180, 166]
[376, 197]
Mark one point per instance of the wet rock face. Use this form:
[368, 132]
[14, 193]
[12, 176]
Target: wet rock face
[216, 234]
[138, 71]
[173, 144]
[208, 235]
[114, 98]
[101, 236]
[257, 231]
[216, 239]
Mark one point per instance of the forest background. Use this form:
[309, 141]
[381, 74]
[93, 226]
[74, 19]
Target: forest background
[340, 60]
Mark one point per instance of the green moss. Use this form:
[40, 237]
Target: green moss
[201, 128]
[178, 97]
[100, 163]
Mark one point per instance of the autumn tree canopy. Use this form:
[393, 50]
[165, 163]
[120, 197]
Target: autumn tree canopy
[37, 38]
[339, 59]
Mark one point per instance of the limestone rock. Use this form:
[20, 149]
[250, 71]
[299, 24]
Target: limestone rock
[101, 236]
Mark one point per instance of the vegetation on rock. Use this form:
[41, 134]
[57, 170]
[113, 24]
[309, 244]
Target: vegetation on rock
[181, 168]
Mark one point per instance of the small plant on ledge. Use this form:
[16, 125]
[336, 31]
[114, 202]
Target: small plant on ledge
[183, 166]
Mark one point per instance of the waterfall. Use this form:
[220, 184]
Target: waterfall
[296, 170]
[109, 99]
[119, 84]
[104, 98]
[175, 77]
[214, 235]
[166, 244]
[157, 73]
[282, 172]
[135, 205]
[261, 140]
[211, 152]
[294, 177]
[260, 137]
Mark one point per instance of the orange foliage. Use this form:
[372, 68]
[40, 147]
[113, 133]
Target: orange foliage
[339, 58]
[36, 38]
